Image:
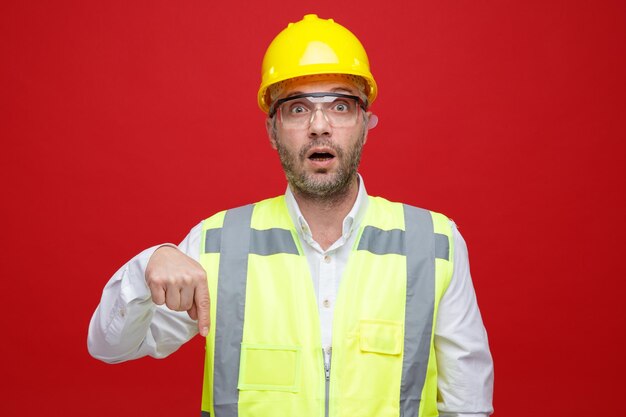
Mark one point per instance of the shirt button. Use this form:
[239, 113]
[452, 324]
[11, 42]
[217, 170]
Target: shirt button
[327, 259]
[326, 303]
[122, 312]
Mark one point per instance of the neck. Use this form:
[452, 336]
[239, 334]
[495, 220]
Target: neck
[325, 214]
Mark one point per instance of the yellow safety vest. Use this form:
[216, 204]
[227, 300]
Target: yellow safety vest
[263, 352]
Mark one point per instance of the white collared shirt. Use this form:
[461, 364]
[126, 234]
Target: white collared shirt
[128, 325]
[327, 266]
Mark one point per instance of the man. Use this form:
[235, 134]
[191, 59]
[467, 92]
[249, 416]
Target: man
[323, 301]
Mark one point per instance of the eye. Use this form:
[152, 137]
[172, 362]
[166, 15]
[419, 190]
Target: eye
[296, 108]
[341, 107]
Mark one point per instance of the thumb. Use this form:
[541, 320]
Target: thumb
[193, 311]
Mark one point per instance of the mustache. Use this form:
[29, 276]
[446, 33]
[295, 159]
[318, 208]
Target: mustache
[322, 142]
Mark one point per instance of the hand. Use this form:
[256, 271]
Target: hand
[179, 282]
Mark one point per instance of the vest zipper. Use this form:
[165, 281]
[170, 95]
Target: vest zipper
[327, 382]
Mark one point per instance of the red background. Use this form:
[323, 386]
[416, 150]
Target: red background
[126, 123]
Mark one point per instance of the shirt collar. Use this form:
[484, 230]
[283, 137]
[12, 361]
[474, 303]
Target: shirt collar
[350, 223]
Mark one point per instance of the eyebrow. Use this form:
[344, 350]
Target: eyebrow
[332, 90]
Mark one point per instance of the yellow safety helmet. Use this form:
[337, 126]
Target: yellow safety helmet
[314, 46]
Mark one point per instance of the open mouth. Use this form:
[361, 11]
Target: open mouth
[321, 156]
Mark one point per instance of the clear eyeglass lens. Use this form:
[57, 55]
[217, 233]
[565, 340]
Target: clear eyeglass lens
[339, 111]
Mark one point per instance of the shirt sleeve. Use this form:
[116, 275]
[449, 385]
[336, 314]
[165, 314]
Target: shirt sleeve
[464, 363]
[128, 325]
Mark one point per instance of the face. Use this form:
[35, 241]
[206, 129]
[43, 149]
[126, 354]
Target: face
[320, 161]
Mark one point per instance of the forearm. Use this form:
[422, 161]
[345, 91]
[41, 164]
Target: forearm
[128, 325]
[124, 324]
[465, 367]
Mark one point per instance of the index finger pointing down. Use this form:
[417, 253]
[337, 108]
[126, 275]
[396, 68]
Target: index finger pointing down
[202, 302]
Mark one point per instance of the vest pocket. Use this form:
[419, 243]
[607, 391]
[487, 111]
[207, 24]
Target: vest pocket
[381, 336]
[269, 368]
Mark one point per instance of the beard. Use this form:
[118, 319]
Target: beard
[331, 185]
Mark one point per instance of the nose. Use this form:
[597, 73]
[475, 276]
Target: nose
[319, 124]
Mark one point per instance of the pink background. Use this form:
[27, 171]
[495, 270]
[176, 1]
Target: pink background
[126, 123]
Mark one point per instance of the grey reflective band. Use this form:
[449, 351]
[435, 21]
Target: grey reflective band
[382, 242]
[262, 242]
[231, 298]
[205, 414]
[420, 299]
[272, 242]
[212, 240]
[442, 247]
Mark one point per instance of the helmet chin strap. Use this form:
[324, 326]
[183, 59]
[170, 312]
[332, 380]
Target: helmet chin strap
[372, 122]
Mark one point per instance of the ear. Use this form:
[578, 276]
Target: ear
[370, 124]
[372, 120]
[269, 127]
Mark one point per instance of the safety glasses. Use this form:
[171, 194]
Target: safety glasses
[339, 110]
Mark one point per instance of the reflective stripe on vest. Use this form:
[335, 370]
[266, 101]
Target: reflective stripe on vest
[420, 295]
[236, 240]
[231, 291]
